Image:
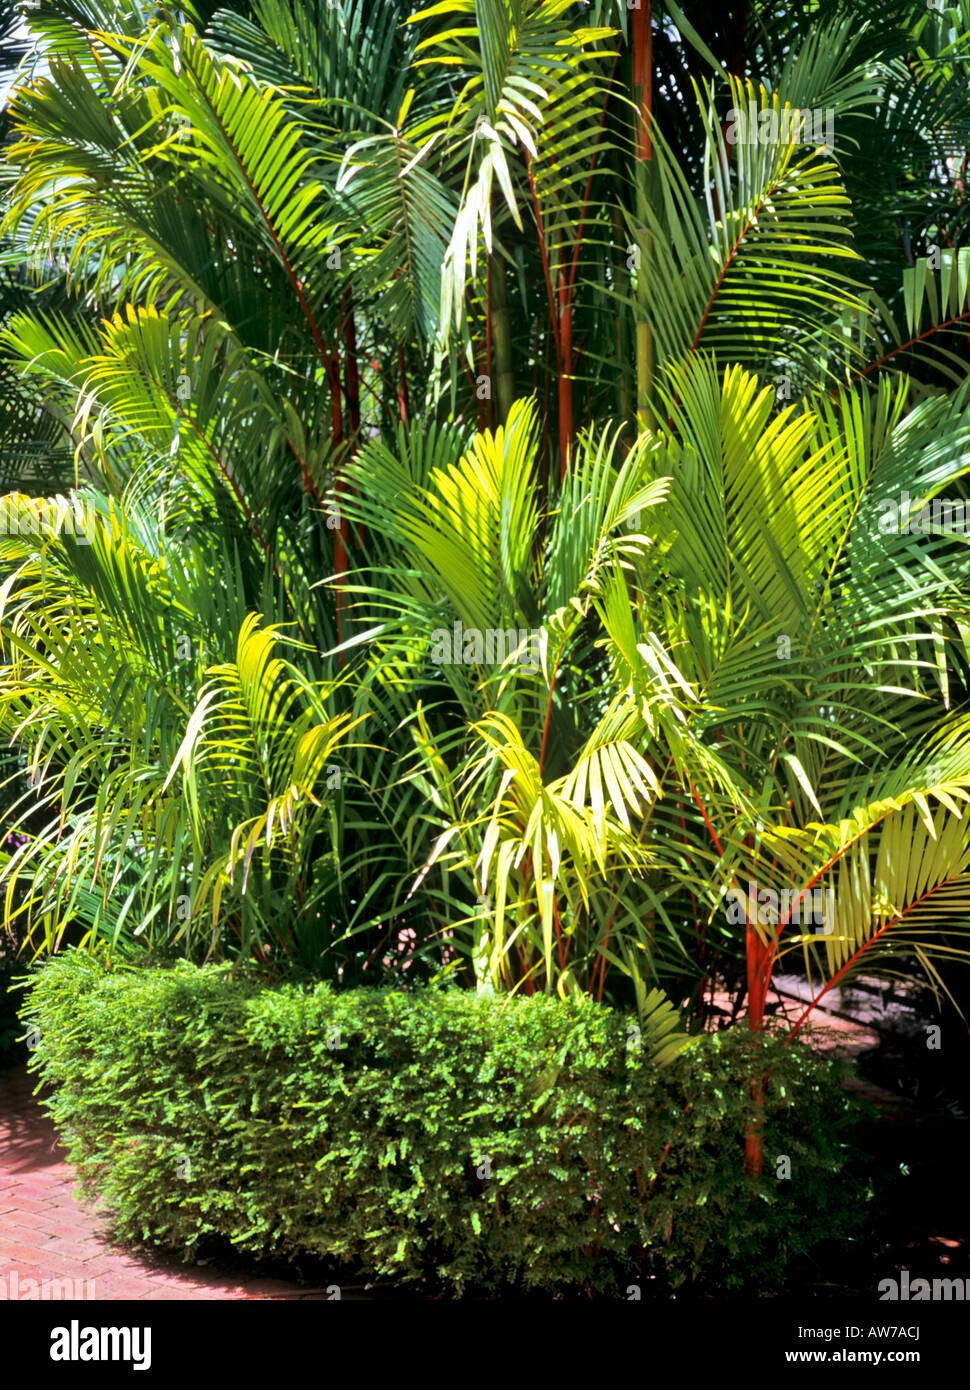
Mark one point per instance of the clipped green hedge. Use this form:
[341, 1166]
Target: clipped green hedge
[477, 1142]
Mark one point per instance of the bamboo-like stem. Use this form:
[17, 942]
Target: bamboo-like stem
[624, 396]
[501, 339]
[564, 375]
[339, 539]
[642, 44]
[352, 393]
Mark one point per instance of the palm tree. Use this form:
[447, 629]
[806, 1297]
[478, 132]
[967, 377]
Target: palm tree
[358, 279]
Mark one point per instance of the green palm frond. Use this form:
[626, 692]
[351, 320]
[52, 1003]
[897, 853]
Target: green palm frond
[747, 271]
[524, 60]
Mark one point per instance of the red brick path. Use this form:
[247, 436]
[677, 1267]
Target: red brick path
[45, 1234]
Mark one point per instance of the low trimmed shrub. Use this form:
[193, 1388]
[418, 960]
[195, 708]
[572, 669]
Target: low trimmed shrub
[481, 1143]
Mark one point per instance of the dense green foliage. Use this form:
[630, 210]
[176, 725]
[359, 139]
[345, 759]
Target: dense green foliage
[476, 1142]
[483, 457]
[358, 330]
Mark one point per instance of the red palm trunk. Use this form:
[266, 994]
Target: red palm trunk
[760, 955]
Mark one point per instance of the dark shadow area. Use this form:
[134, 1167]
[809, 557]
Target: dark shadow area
[28, 1141]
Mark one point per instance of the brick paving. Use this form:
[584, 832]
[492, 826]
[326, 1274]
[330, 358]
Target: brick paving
[47, 1235]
